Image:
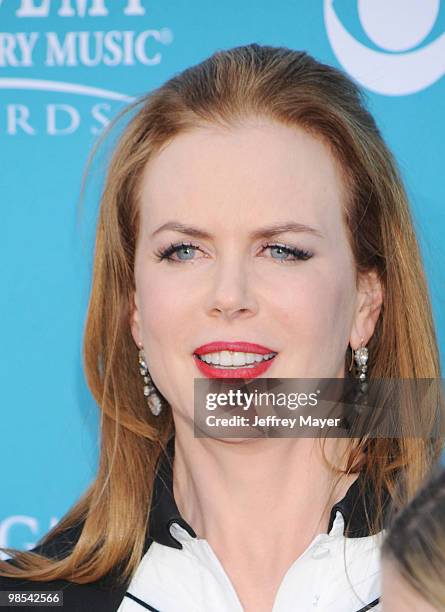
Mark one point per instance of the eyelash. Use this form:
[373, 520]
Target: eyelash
[165, 254]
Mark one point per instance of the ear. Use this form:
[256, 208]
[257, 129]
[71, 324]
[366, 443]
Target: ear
[135, 321]
[369, 303]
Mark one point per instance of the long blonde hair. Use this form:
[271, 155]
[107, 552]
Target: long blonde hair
[293, 88]
[416, 541]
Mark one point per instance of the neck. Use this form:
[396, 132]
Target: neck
[234, 492]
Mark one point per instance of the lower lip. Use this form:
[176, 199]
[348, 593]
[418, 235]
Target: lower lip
[243, 372]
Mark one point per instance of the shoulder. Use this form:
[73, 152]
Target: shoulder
[61, 544]
[76, 597]
[101, 596]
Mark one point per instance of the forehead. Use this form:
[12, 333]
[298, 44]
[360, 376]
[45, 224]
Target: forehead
[261, 167]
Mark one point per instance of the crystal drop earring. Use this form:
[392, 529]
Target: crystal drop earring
[361, 362]
[153, 399]
[361, 382]
[361, 359]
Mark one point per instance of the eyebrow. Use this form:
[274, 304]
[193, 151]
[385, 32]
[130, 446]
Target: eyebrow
[263, 232]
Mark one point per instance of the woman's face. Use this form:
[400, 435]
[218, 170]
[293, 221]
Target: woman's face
[398, 595]
[292, 291]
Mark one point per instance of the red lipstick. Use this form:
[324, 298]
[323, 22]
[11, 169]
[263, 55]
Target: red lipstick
[248, 371]
[244, 347]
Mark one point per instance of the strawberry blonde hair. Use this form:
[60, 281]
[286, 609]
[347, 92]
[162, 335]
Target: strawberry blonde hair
[290, 87]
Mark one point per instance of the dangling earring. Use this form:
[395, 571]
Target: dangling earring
[153, 399]
[361, 359]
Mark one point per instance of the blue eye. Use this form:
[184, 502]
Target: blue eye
[179, 249]
[283, 253]
[186, 252]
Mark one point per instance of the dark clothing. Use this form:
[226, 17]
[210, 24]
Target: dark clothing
[104, 596]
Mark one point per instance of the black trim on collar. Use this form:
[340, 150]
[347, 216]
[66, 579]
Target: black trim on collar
[164, 511]
[145, 604]
[358, 504]
[370, 605]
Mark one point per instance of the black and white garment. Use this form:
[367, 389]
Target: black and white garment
[179, 572]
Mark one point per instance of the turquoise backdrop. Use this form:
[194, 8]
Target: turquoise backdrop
[66, 68]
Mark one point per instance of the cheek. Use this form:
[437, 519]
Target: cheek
[165, 304]
[165, 311]
[317, 303]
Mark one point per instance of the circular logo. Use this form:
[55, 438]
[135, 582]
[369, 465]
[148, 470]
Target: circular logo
[397, 27]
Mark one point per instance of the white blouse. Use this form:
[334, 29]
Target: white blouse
[181, 573]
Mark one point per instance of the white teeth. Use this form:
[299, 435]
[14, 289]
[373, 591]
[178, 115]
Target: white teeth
[238, 359]
[234, 358]
[225, 358]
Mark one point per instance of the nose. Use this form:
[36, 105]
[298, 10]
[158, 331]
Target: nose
[232, 292]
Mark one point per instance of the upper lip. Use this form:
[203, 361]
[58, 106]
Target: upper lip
[243, 347]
